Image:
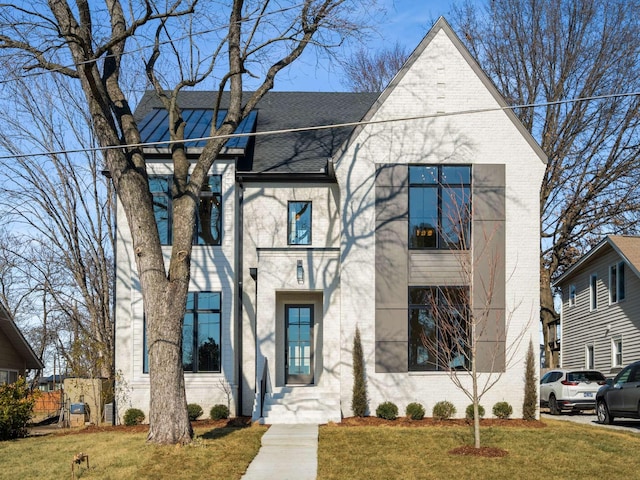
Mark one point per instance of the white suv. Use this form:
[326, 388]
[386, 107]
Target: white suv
[570, 390]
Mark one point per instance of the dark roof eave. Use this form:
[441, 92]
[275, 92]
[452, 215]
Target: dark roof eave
[165, 152]
[286, 177]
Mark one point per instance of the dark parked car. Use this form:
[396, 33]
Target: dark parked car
[620, 397]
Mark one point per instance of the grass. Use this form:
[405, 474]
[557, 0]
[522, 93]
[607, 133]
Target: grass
[560, 450]
[216, 453]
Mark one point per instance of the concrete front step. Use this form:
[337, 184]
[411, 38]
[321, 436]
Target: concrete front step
[288, 405]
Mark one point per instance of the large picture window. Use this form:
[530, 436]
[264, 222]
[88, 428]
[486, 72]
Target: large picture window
[208, 215]
[299, 224]
[439, 337]
[200, 334]
[439, 206]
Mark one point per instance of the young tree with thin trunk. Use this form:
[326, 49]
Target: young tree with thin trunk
[572, 73]
[177, 45]
[451, 319]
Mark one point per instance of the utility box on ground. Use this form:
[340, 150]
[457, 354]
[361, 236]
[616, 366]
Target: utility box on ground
[85, 399]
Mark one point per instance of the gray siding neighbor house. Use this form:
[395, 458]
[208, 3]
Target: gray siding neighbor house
[600, 315]
[16, 355]
[305, 236]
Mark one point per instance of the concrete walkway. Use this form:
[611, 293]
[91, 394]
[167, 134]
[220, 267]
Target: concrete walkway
[288, 452]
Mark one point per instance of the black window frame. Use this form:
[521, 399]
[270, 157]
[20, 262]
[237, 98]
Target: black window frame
[295, 240]
[162, 200]
[194, 341]
[422, 235]
[421, 312]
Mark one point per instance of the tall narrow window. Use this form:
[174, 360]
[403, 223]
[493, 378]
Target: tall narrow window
[593, 292]
[439, 207]
[589, 357]
[210, 212]
[159, 187]
[299, 223]
[616, 352]
[201, 333]
[208, 217]
[439, 336]
[616, 283]
[572, 295]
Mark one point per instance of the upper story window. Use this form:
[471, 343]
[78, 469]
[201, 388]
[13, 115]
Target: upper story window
[439, 206]
[572, 295]
[439, 337]
[593, 292]
[299, 224]
[208, 215]
[616, 282]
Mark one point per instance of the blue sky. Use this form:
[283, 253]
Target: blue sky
[406, 22]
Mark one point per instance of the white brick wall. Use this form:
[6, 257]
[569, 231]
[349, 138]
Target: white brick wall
[440, 73]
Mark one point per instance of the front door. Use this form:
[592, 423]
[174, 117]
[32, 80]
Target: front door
[299, 344]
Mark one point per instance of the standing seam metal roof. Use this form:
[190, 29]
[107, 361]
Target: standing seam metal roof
[299, 152]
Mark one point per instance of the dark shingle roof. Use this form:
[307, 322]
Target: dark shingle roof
[300, 152]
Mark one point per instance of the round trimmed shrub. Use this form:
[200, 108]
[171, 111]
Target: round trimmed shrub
[444, 410]
[415, 411]
[194, 411]
[133, 416]
[387, 410]
[502, 410]
[219, 411]
[469, 412]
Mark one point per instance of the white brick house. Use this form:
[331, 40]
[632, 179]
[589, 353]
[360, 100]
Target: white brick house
[317, 232]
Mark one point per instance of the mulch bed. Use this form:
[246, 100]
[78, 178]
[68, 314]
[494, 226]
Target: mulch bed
[430, 422]
[238, 422]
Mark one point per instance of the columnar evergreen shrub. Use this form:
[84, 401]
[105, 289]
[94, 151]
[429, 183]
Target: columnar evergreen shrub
[16, 409]
[387, 410]
[219, 411]
[443, 410]
[359, 401]
[194, 411]
[502, 410]
[133, 416]
[530, 403]
[415, 411]
[469, 411]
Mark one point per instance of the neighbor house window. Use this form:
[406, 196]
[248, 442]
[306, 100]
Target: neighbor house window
[572, 295]
[439, 206]
[208, 214]
[299, 229]
[438, 328]
[616, 282]
[8, 376]
[593, 292]
[200, 334]
[590, 359]
[616, 352]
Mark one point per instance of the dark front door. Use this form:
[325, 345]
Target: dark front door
[299, 344]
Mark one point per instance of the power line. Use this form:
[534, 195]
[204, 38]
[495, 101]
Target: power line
[167, 143]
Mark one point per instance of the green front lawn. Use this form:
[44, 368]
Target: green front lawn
[560, 450]
[216, 453]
